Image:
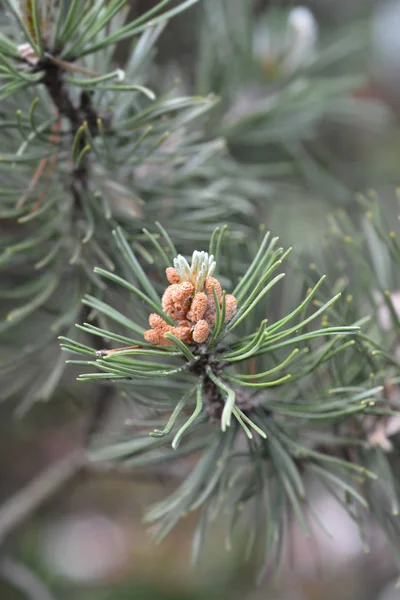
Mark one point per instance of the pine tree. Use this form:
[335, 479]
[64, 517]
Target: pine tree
[129, 220]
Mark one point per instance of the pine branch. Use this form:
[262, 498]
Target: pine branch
[218, 386]
[268, 386]
[56, 214]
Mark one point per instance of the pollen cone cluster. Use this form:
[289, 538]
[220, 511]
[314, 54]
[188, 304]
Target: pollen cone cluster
[193, 310]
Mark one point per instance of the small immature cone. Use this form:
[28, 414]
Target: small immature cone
[230, 307]
[182, 332]
[198, 307]
[182, 296]
[209, 315]
[176, 300]
[157, 322]
[160, 328]
[182, 293]
[156, 337]
[172, 275]
[209, 284]
[201, 331]
[156, 334]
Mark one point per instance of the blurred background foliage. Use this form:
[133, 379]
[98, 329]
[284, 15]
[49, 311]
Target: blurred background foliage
[305, 138]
